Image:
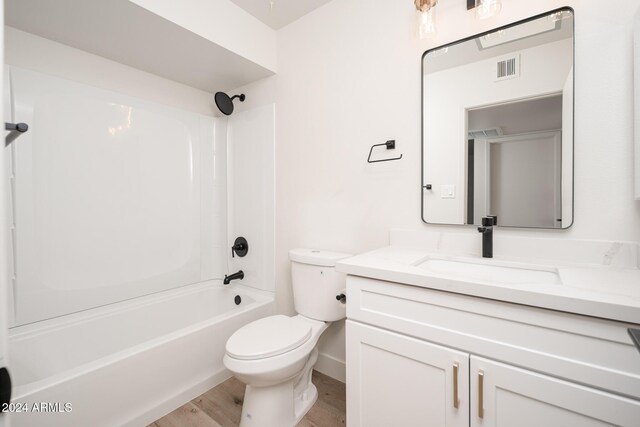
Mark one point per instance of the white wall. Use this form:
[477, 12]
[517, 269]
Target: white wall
[349, 77]
[524, 179]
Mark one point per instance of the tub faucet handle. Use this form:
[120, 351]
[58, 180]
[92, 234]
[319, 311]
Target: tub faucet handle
[240, 247]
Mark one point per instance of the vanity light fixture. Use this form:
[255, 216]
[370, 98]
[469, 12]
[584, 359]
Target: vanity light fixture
[426, 17]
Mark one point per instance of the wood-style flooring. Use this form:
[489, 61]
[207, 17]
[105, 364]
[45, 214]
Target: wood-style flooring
[222, 406]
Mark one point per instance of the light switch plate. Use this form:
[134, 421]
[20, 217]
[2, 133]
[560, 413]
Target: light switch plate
[448, 191]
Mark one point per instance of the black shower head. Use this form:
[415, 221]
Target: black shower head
[225, 103]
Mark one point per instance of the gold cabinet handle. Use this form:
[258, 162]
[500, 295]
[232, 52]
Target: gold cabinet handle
[481, 394]
[456, 400]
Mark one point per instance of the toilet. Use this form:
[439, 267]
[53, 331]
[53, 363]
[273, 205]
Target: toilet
[274, 356]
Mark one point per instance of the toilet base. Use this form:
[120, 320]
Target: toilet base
[280, 405]
[305, 402]
[274, 406]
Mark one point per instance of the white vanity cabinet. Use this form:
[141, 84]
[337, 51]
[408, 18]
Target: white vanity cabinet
[395, 380]
[506, 396]
[413, 352]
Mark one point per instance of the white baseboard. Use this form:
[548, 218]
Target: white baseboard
[179, 399]
[331, 366]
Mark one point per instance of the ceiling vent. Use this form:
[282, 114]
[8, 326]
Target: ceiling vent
[508, 67]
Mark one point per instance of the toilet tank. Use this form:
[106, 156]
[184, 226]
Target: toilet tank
[316, 283]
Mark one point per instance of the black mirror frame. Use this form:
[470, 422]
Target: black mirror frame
[422, 142]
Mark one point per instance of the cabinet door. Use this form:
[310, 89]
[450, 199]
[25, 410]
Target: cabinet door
[506, 396]
[395, 380]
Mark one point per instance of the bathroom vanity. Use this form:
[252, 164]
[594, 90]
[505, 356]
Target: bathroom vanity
[538, 336]
[448, 340]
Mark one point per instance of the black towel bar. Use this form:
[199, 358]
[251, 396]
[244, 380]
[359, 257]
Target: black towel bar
[391, 144]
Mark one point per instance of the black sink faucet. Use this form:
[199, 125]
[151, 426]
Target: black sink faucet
[487, 235]
[234, 276]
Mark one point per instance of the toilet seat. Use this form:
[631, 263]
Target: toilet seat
[268, 337]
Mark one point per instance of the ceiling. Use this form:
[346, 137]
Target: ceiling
[149, 42]
[283, 13]
[143, 40]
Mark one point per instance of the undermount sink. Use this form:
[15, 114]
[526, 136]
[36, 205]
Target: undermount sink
[491, 273]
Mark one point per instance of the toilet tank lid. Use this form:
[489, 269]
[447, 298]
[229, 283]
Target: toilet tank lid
[316, 257]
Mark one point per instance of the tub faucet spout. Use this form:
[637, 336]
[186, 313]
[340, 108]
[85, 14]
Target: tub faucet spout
[234, 276]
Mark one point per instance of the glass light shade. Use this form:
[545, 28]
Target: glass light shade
[427, 22]
[488, 8]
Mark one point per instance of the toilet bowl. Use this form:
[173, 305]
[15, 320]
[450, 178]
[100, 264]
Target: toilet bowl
[274, 356]
[274, 373]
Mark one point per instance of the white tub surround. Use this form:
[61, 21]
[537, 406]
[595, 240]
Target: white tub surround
[113, 197]
[130, 363]
[250, 190]
[468, 341]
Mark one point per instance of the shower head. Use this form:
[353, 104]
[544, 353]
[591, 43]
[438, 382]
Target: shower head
[225, 103]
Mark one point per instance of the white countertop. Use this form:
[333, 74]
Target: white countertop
[598, 291]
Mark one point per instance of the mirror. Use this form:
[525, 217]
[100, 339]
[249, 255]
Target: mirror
[497, 126]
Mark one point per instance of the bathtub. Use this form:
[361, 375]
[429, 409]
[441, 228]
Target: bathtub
[128, 364]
